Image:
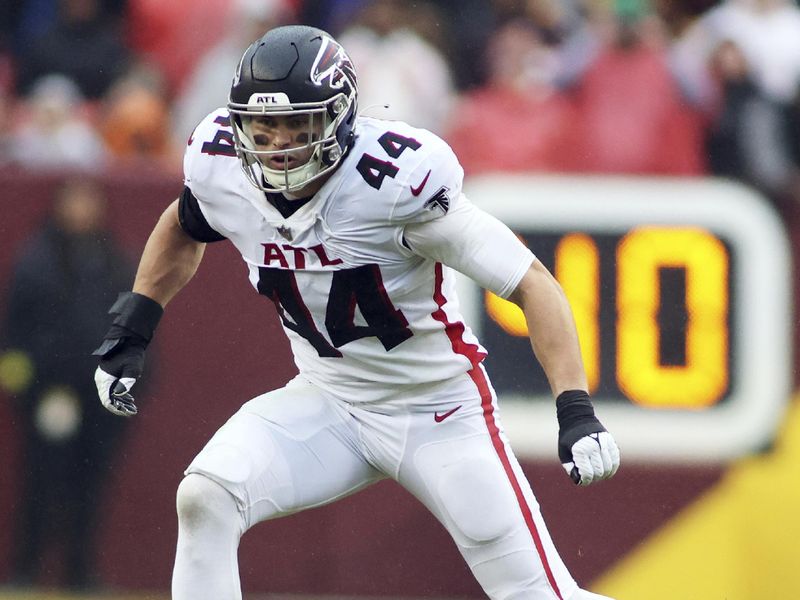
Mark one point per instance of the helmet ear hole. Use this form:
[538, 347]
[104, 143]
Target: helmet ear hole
[331, 156]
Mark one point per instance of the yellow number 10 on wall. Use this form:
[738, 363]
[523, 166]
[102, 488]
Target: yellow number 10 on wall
[640, 255]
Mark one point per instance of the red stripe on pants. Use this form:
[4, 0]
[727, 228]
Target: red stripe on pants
[479, 378]
[455, 332]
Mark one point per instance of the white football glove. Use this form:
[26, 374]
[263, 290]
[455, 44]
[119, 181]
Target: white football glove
[122, 351]
[115, 394]
[594, 457]
[587, 451]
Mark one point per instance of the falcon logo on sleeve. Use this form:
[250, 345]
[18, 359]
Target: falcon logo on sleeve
[439, 200]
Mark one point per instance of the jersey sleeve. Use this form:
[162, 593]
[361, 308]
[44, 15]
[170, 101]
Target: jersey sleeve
[192, 220]
[474, 243]
[196, 160]
[431, 186]
[208, 164]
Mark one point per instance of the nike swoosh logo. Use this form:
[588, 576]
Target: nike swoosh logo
[439, 418]
[418, 190]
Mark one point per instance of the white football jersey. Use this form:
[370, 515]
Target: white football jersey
[365, 314]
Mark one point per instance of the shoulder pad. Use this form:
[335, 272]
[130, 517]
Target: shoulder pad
[427, 189]
[209, 151]
[414, 172]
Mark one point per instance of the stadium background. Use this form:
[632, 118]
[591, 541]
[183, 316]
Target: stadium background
[677, 531]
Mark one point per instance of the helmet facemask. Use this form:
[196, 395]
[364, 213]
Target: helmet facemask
[313, 152]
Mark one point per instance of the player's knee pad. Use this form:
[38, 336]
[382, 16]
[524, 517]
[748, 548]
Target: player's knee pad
[478, 504]
[199, 500]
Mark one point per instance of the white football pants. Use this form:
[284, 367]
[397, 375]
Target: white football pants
[298, 447]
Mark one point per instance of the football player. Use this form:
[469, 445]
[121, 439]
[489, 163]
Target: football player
[353, 227]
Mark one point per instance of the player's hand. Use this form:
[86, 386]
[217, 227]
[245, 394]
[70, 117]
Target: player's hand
[593, 457]
[587, 451]
[116, 374]
[122, 351]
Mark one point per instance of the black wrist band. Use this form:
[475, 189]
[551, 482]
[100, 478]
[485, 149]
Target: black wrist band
[136, 313]
[573, 407]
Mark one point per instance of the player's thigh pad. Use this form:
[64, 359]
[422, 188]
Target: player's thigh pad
[466, 482]
[285, 451]
[492, 515]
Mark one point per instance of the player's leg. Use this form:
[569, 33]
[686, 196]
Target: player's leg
[282, 452]
[209, 527]
[464, 471]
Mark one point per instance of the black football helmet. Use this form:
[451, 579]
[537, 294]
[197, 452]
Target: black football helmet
[300, 72]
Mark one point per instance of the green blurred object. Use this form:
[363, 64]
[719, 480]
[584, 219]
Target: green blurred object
[631, 9]
[16, 371]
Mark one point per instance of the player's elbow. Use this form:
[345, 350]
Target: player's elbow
[536, 282]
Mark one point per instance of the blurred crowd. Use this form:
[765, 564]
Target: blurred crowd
[664, 87]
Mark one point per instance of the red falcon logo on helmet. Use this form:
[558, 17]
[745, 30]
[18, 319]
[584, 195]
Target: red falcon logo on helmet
[333, 64]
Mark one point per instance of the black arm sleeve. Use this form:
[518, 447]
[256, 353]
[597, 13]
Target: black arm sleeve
[192, 220]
